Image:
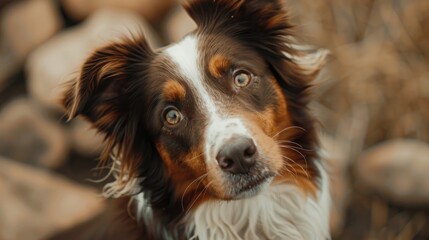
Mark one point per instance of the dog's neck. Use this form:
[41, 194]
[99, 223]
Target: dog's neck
[282, 211]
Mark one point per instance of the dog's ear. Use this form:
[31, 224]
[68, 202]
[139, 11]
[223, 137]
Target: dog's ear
[104, 94]
[101, 89]
[264, 26]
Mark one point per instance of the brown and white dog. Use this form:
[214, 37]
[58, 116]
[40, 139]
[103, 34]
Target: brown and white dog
[211, 136]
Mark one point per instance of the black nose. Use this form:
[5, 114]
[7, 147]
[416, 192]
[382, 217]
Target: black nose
[237, 155]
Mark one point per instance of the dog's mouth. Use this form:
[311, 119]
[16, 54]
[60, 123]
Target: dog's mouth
[254, 184]
[249, 185]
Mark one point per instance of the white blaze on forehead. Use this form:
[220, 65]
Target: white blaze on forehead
[186, 55]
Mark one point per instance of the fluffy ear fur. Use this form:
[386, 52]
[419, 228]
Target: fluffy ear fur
[104, 93]
[263, 25]
[103, 81]
[110, 92]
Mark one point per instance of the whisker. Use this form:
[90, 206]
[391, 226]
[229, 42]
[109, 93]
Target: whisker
[302, 168]
[199, 179]
[302, 155]
[293, 173]
[298, 148]
[287, 128]
[199, 155]
[206, 188]
[195, 200]
[291, 142]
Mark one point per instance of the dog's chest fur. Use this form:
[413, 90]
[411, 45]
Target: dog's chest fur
[282, 211]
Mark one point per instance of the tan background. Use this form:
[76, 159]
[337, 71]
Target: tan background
[372, 100]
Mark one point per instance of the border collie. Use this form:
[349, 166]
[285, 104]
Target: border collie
[209, 137]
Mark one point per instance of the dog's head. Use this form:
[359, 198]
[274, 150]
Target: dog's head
[220, 114]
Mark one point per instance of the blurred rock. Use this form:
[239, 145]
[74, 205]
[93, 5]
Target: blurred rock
[27, 135]
[84, 138]
[151, 10]
[27, 24]
[58, 61]
[337, 161]
[398, 169]
[9, 64]
[24, 25]
[178, 24]
[35, 203]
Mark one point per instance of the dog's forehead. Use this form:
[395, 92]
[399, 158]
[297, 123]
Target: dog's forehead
[185, 55]
[198, 59]
[187, 58]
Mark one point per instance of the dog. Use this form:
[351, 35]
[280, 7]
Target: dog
[209, 137]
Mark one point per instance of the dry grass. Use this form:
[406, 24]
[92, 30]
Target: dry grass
[380, 65]
[376, 87]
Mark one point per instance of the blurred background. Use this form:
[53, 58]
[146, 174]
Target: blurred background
[372, 100]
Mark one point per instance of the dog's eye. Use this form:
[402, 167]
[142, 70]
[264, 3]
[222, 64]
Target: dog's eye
[172, 116]
[242, 78]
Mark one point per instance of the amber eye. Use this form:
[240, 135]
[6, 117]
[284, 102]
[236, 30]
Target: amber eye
[242, 78]
[172, 116]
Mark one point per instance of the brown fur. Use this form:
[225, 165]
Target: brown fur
[173, 91]
[122, 85]
[218, 65]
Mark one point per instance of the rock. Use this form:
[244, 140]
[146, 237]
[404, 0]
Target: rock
[34, 203]
[85, 139]
[178, 24]
[151, 10]
[58, 60]
[397, 169]
[337, 161]
[27, 135]
[24, 25]
[9, 64]
[27, 24]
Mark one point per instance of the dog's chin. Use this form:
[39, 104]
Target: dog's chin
[253, 188]
[246, 187]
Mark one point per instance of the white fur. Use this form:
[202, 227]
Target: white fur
[310, 59]
[119, 187]
[186, 55]
[280, 212]
[223, 129]
[145, 215]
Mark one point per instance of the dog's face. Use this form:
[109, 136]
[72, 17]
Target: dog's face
[220, 114]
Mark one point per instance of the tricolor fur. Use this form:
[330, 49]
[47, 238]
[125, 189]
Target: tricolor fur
[211, 136]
